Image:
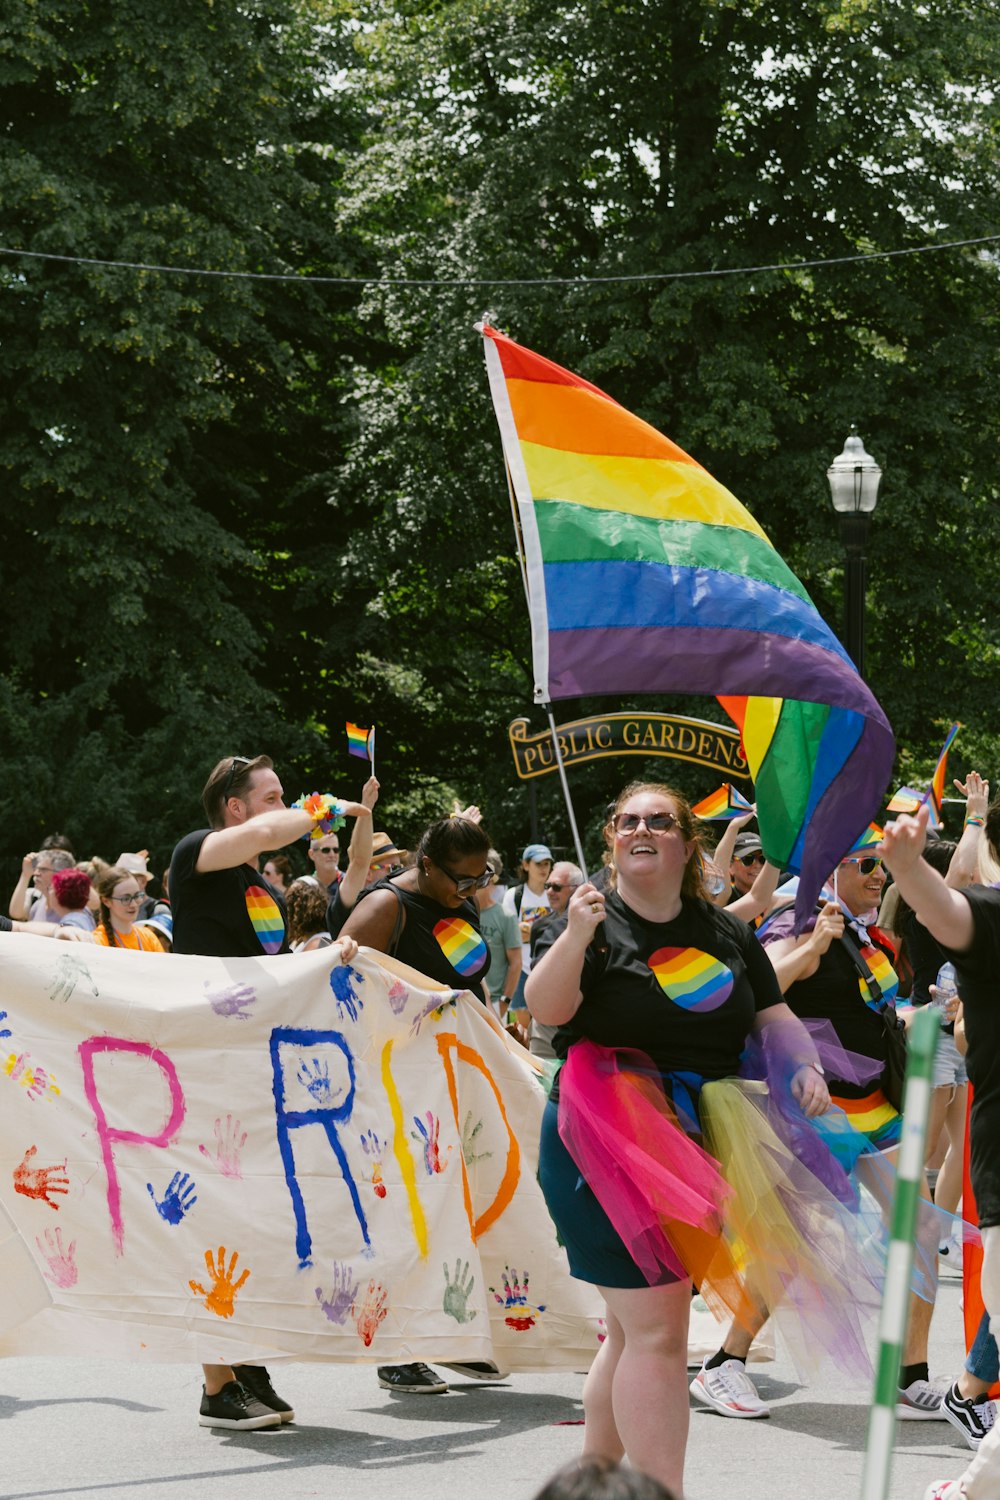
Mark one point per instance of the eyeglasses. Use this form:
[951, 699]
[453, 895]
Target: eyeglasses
[238, 760]
[756, 858]
[464, 883]
[654, 823]
[328, 850]
[866, 866]
[132, 899]
[553, 885]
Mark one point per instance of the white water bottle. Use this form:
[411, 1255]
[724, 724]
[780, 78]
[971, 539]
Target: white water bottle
[947, 988]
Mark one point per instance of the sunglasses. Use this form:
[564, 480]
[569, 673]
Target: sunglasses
[328, 850]
[238, 761]
[654, 823]
[553, 885]
[131, 900]
[465, 883]
[756, 858]
[866, 866]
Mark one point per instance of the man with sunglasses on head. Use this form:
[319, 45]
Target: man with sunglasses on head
[224, 907]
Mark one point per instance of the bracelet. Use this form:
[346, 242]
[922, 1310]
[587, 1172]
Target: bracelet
[327, 812]
[812, 1063]
[974, 820]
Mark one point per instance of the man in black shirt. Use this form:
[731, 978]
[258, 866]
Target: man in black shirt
[223, 906]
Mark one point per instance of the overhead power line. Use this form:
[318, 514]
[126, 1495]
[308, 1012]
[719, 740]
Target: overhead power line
[498, 281]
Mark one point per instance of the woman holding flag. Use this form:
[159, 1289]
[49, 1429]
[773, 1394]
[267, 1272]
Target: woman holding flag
[683, 982]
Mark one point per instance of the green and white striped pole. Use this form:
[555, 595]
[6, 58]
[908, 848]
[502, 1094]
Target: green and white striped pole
[922, 1041]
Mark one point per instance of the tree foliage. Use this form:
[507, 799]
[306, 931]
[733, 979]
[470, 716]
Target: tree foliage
[239, 512]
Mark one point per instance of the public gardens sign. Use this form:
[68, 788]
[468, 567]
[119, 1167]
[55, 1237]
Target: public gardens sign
[694, 740]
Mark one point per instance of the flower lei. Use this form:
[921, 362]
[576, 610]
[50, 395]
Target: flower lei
[326, 810]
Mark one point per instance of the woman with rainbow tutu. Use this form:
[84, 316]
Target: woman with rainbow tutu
[654, 991]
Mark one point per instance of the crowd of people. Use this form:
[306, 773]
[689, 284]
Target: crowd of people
[644, 990]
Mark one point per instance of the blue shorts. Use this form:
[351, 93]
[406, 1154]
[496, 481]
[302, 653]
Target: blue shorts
[949, 1064]
[595, 1249]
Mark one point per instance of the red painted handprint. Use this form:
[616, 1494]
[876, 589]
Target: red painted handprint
[220, 1298]
[39, 1182]
[371, 1312]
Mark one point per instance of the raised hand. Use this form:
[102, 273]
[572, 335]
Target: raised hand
[229, 1142]
[177, 1200]
[371, 1312]
[457, 1293]
[426, 1136]
[369, 792]
[39, 1182]
[62, 1268]
[340, 1303]
[976, 792]
[220, 1297]
[232, 1000]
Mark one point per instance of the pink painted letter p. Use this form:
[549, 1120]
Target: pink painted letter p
[109, 1135]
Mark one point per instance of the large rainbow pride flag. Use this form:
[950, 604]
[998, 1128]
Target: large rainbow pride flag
[645, 575]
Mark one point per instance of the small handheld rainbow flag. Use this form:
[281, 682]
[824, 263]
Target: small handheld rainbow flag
[908, 800]
[361, 742]
[867, 840]
[722, 805]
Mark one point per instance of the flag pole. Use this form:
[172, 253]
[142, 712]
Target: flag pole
[565, 786]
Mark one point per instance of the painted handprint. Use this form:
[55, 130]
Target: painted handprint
[314, 1077]
[232, 1000]
[514, 1300]
[434, 1008]
[371, 1312]
[67, 974]
[426, 1136]
[469, 1133]
[230, 1139]
[344, 993]
[398, 996]
[36, 1081]
[62, 1267]
[4, 1030]
[39, 1182]
[457, 1293]
[221, 1295]
[177, 1200]
[338, 1307]
[373, 1149]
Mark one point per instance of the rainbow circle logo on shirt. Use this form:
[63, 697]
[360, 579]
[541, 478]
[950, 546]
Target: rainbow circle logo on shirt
[461, 945]
[691, 979]
[882, 972]
[265, 916]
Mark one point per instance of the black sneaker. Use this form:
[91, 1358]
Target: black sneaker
[972, 1418]
[258, 1382]
[475, 1369]
[413, 1380]
[234, 1406]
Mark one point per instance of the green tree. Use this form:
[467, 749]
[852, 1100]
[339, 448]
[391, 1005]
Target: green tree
[516, 139]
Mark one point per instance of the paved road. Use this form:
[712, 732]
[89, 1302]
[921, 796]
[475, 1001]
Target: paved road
[107, 1431]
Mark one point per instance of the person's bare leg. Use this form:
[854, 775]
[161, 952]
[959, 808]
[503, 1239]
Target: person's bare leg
[948, 1193]
[649, 1389]
[216, 1376]
[919, 1321]
[935, 1122]
[738, 1340]
[601, 1438]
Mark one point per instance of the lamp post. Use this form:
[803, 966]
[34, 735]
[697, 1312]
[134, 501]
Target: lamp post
[854, 480]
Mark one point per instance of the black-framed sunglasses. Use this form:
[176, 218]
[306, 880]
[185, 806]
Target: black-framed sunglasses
[238, 761]
[465, 883]
[329, 849]
[654, 823]
[867, 865]
[553, 885]
[755, 857]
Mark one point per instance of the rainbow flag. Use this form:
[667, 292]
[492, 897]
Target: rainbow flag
[908, 800]
[722, 805]
[645, 575]
[360, 741]
[869, 840]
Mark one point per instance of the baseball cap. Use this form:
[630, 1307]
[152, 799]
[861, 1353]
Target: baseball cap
[746, 843]
[537, 851]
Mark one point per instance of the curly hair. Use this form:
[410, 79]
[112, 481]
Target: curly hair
[693, 881]
[307, 906]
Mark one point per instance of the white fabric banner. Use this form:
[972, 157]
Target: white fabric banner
[243, 1159]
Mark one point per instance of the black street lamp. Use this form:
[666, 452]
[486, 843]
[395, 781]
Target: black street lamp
[854, 480]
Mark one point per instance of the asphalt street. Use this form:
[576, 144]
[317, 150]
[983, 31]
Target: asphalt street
[109, 1431]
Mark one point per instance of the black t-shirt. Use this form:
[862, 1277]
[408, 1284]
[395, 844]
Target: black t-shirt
[225, 913]
[978, 973]
[834, 993]
[443, 942]
[684, 992]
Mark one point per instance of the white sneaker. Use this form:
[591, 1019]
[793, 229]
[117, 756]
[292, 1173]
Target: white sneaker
[728, 1389]
[950, 1257]
[921, 1402]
